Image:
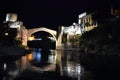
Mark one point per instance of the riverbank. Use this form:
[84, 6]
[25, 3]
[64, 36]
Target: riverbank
[13, 51]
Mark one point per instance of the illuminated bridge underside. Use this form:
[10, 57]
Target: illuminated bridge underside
[32, 31]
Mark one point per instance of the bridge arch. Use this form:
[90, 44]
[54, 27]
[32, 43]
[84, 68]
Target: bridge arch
[34, 30]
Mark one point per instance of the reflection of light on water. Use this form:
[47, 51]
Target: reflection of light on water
[38, 57]
[50, 67]
[52, 57]
[78, 68]
[52, 51]
[24, 63]
[37, 54]
[30, 57]
[5, 66]
[73, 70]
[13, 73]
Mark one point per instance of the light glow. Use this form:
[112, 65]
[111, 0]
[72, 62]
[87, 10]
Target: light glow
[30, 57]
[31, 38]
[5, 66]
[6, 33]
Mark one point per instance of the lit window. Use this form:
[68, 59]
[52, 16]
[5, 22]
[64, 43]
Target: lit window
[6, 33]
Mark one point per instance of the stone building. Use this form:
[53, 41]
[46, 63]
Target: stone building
[85, 23]
[11, 21]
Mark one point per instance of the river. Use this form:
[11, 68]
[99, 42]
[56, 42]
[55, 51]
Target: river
[42, 64]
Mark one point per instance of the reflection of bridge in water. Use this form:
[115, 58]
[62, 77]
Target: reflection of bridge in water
[49, 64]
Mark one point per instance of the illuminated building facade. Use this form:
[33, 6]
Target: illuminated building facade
[85, 23]
[115, 11]
[69, 32]
[11, 21]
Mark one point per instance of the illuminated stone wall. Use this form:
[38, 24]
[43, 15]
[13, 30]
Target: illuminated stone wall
[24, 35]
[73, 29]
[115, 11]
[86, 23]
[12, 17]
[67, 33]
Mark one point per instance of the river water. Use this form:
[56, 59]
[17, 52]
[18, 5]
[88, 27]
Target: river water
[42, 65]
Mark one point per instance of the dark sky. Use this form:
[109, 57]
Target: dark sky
[51, 13]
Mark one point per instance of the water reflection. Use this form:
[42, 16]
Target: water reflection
[38, 59]
[61, 63]
[37, 55]
[69, 63]
[9, 67]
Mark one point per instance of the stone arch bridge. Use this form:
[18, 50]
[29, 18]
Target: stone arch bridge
[28, 32]
[34, 30]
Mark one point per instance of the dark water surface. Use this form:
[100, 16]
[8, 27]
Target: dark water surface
[41, 65]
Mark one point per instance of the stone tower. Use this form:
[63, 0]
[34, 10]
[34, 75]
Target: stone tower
[11, 17]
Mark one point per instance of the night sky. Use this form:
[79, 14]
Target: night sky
[51, 13]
